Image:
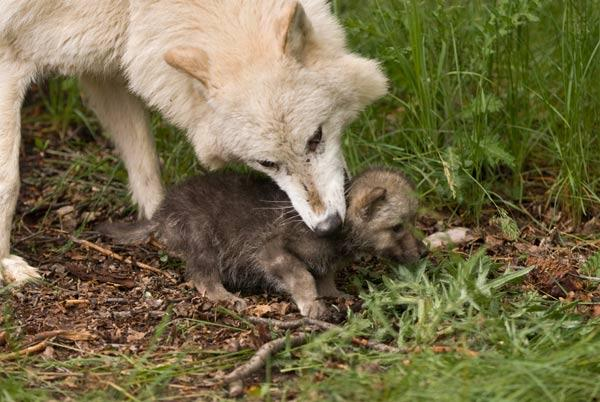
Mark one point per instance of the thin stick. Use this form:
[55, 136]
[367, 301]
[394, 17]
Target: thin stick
[293, 324]
[37, 348]
[118, 257]
[42, 336]
[76, 302]
[324, 325]
[262, 354]
[71, 335]
[589, 278]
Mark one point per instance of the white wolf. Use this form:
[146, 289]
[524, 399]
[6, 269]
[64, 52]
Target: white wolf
[268, 83]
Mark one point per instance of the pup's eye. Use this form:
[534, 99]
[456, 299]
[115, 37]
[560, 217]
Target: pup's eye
[397, 228]
[268, 164]
[315, 140]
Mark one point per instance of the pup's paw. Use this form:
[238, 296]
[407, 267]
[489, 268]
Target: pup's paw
[238, 304]
[217, 293]
[15, 270]
[337, 294]
[314, 309]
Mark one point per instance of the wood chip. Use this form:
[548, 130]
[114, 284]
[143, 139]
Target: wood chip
[76, 302]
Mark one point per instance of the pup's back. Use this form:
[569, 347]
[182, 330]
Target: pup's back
[219, 208]
[224, 209]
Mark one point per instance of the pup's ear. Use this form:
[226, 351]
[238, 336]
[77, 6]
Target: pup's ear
[365, 77]
[294, 31]
[366, 203]
[190, 60]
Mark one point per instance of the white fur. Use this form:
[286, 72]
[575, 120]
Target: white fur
[16, 270]
[252, 81]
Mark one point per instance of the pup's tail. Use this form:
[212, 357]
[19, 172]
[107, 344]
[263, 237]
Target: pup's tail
[128, 232]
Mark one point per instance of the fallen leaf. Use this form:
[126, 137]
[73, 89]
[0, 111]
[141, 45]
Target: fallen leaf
[260, 310]
[134, 335]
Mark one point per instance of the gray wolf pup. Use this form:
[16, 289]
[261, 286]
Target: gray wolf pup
[241, 232]
[269, 83]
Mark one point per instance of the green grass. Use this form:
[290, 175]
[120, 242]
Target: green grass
[493, 104]
[486, 96]
[528, 348]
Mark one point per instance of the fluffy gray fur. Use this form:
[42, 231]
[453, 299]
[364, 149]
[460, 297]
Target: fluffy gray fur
[240, 232]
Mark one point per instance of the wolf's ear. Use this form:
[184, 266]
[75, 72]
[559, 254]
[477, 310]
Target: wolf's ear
[365, 77]
[294, 31]
[367, 202]
[190, 60]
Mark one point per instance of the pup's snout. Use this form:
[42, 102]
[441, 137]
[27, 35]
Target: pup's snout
[329, 225]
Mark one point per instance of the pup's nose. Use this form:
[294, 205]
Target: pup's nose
[329, 225]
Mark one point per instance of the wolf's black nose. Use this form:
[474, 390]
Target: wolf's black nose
[329, 226]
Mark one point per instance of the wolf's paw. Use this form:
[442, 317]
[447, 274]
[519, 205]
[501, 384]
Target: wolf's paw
[15, 270]
[314, 309]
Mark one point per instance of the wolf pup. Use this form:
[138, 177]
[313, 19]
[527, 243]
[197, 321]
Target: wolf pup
[241, 232]
[273, 78]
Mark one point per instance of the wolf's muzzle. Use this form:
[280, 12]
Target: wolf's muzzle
[329, 225]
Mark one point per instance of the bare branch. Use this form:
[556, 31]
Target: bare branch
[259, 359]
[293, 324]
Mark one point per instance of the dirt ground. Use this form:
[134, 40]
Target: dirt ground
[98, 297]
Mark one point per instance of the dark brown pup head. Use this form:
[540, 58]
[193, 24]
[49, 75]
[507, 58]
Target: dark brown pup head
[382, 207]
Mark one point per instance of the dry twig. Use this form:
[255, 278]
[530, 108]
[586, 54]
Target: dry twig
[262, 354]
[37, 348]
[71, 335]
[293, 324]
[112, 254]
[76, 302]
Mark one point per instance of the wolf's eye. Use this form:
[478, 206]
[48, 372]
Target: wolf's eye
[397, 228]
[268, 164]
[315, 140]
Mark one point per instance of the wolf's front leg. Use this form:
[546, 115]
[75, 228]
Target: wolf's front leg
[123, 115]
[15, 77]
[295, 277]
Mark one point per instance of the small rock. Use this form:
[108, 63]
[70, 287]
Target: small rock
[48, 352]
[64, 211]
[89, 216]
[58, 269]
[453, 236]
[236, 389]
